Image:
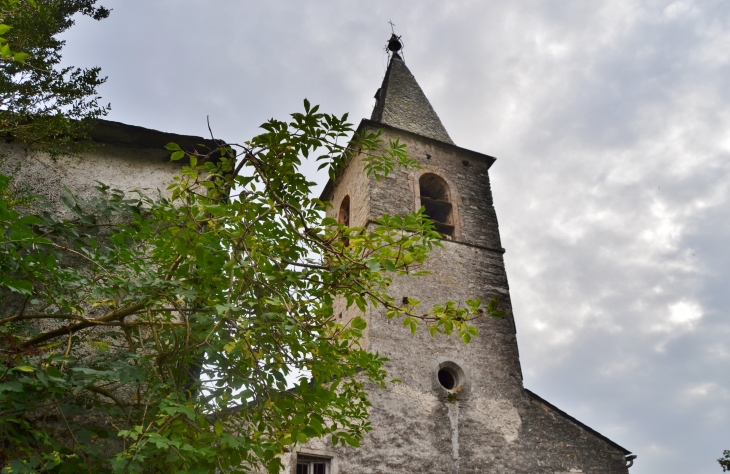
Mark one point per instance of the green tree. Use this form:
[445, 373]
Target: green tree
[196, 333]
[42, 104]
[725, 460]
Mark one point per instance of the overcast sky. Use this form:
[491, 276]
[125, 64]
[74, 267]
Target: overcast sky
[610, 122]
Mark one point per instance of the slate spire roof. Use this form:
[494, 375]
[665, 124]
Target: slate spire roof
[401, 103]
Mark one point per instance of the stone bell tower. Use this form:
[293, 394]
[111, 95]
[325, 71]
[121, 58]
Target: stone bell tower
[459, 408]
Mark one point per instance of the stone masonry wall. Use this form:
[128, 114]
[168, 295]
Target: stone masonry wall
[123, 168]
[352, 182]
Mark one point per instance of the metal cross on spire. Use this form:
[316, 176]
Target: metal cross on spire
[394, 43]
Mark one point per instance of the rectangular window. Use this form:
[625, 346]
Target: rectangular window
[312, 465]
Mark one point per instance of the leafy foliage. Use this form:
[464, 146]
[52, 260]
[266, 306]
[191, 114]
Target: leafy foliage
[41, 104]
[195, 332]
[725, 460]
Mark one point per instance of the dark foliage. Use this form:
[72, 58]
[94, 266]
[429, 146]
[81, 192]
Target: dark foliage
[42, 104]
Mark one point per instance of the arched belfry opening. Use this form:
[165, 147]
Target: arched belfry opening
[436, 199]
[344, 216]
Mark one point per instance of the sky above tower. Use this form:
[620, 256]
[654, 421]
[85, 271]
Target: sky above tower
[610, 121]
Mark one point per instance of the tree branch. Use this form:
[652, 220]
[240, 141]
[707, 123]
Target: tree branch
[114, 315]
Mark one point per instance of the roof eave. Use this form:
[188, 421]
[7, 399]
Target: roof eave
[329, 187]
[133, 136]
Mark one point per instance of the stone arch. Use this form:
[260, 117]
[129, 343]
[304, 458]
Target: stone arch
[343, 216]
[436, 202]
[433, 189]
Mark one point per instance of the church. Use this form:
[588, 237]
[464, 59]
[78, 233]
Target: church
[459, 408]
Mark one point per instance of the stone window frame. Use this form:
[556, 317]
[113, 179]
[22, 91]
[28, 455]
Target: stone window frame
[309, 460]
[414, 178]
[309, 452]
[463, 381]
[345, 201]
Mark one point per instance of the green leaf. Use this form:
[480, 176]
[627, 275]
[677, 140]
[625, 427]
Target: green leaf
[24, 368]
[492, 305]
[172, 146]
[4, 28]
[12, 386]
[31, 219]
[177, 155]
[359, 323]
[23, 287]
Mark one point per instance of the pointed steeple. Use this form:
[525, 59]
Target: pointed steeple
[401, 103]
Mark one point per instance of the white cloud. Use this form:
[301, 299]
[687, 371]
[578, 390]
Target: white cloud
[719, 351]
[685, 313]
[703, 392]
[679, 9]
[665, 233]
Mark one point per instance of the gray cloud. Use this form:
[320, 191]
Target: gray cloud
[611, 125]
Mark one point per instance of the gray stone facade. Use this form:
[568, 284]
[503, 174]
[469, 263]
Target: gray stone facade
[490, 422]
[127, 158]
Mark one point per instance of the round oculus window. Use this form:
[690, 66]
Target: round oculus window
[447, 378]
